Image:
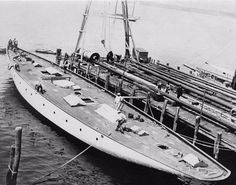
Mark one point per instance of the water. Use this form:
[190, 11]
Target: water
[169, 34]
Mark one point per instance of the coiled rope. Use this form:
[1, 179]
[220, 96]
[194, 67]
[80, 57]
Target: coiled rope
[39, 180]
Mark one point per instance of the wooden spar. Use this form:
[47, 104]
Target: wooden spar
[82, 29]
[217, 144]
[134, 97]
[197, 122]
[185, 85]
[141, 82]
[176, 119]
[227, 92]
[163, 110]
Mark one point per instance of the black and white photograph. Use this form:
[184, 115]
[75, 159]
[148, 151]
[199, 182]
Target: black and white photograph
[118, 92]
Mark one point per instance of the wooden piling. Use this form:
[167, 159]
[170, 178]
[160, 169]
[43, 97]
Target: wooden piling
[147, 103]
[176, 119]
[107, 82]
[163, 110]
[120, 85]
[15, 154]
[97, 74]
[132, 94]
[87, 70]
[197, 122]
[217, 145]
[9, 172]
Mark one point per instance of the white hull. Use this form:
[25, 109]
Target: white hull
[82, 131]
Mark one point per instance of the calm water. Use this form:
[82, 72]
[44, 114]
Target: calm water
[173, 35]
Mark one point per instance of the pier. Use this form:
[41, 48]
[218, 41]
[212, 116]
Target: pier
[195, 101]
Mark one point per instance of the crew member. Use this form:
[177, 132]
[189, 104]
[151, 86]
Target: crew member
[179, 91]
[118, 102]
[121, 119]
[10, 44]
[159, 85]
[167, 88]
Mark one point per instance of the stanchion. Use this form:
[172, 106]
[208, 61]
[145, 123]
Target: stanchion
[176, 119]
[163, 110]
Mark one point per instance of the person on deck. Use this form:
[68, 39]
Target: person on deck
[118, 102]
[179, 91]
[121, 119]
[167, 88]
[10, 44]
[66, 57]
[159, 85]
[15, 43]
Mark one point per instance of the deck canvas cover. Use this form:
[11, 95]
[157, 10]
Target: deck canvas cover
[53, 71]
[63, 83]
[74, 100]
[107, 112]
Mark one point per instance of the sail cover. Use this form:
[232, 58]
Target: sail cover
[74, 100]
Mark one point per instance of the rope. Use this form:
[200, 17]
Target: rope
[205, 144]
[39, 180]
[11, 170]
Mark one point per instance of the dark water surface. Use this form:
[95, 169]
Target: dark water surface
[46, 147]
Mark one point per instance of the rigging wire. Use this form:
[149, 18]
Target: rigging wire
[115, 12]
[103, 33]
[204, 143]
[133, 8]
[109, 28]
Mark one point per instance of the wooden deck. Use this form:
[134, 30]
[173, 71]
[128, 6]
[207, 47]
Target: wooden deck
[161, 144]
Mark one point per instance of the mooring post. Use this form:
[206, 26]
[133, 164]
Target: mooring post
[120, 85]
[163, 110]
[217, 145]
[197, 122]
[107, 80]
[132, 94]
[147, 103]
[97, 74]
[15, 158]
[87, 70]
[176, 119]
[9, 172]
[78, 66]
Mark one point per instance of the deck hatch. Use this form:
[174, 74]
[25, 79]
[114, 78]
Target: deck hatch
[88, 100]
[163, 147]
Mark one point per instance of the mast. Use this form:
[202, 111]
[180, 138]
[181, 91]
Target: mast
[82, 28]
[126, 27]
[128, 32]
